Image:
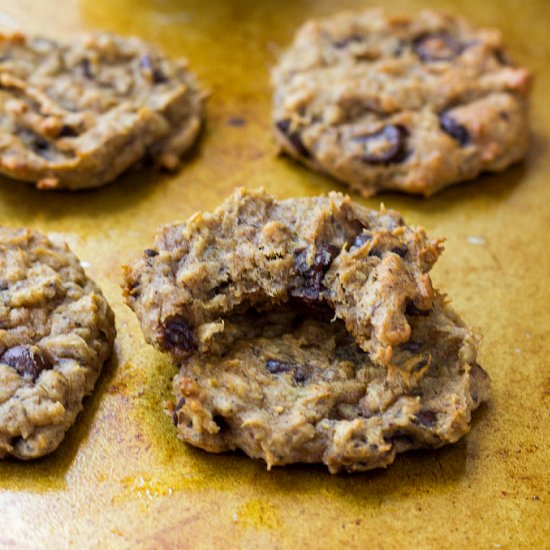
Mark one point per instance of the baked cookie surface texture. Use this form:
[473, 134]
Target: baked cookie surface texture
[76, 115]
[392, 102]
[56, 331]
[307, 330]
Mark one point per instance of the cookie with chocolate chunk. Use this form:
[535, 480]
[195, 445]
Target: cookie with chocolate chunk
[394, 102]
[307, 330]
[76, 115]
[56, 331]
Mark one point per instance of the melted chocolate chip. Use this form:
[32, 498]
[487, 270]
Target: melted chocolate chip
[178, 408]
[87, 68]
[437, 46]
[300, 373]
[401, 438]
[26, 361]
[180, 404]
[386, 146]
[40, 145]
[293, 137]
[178, 334]
[236, 121]
[457, 131]
[37, 143]
[275, 366]
[67, 131]
[427, 418]
[150, 253]
[157, 75]
[344, 42]
[312, 277]
[375, 252]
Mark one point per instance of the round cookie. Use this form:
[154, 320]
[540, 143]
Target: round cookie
[255, 251]
[392, 102]
[295, 388]
[76, 115]
[56, 331]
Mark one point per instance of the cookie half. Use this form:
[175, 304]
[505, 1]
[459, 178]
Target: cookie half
[295, 387]
[76, 115]
[56, 331]
[395, 102]
[255, 251]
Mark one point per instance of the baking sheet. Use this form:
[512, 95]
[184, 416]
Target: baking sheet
[121, 479]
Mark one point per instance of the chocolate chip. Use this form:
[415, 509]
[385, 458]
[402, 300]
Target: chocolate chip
[150, 253]
[87, 68]
[437, 46]
[146, 63]
[40, 145]
[180, 404]
[387, 145]
[236, 121]
[178, 408]
[67, 131]
[3, 285]
[361, 240]
[427, 418]
[400, 437]
[34, 141]
[413, 311]
[300, 373]
[413, 347]
[26, 361]
[312, 277]
[275, 366]
[457, 131]
[178, 334]
[293, 137]
[375, 252]
[344, 42]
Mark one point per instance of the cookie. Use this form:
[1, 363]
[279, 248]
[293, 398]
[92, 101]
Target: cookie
[307, 330]
[254, 251]
[296, 388]
[76, 115]
[56, 331]
[395, 102]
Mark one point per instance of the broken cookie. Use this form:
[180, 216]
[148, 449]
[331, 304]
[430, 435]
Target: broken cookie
[307, 330]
